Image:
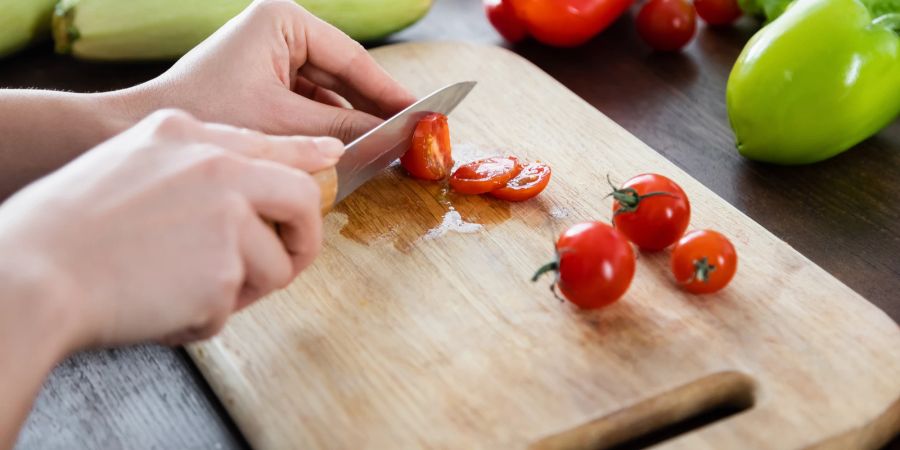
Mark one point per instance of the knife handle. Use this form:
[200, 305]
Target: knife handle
[328, 183]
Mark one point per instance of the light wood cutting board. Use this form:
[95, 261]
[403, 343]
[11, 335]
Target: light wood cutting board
[418, 327]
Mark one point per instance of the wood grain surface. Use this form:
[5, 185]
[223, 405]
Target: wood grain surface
[417, 326]
[844, 216]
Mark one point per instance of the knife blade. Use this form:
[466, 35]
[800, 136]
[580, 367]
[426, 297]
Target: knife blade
[374, 151]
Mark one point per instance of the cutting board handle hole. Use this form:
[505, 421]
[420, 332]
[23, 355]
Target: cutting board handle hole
[657, 419]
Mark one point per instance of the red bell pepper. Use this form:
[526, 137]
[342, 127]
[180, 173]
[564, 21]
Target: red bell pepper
[560, 23]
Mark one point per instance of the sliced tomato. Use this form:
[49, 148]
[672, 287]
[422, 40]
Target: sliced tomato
[485, 175]
[530, 182]
[429, 156]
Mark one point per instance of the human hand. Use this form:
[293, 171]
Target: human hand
[278, 69]
[158, 233]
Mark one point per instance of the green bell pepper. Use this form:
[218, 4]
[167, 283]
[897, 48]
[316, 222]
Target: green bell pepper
[814, 82]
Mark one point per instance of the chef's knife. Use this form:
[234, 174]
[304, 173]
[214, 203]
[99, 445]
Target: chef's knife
[374, 151]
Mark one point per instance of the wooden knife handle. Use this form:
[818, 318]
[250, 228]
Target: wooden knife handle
[328, 183]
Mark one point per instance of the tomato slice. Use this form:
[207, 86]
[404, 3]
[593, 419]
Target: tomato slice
[530, 182]
[485, 175]
[429, 156]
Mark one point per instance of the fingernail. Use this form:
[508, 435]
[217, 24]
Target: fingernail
[329, 147]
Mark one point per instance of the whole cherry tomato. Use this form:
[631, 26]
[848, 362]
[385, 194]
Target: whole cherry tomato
[567, 23]
[429, 156]
[718, 12]
[502, 16]
[652, 210]
[594, 265]
[530, 182]
[485, 175]
[667, 25]
[704, 261]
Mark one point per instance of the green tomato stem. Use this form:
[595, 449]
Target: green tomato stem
[702, 269]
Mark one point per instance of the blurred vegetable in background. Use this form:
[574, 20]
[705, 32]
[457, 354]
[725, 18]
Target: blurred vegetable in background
[817, 80]
[666, 25]
[23, 22]
[771, 9]
[560, 23]
[167, 29]
[718, 12]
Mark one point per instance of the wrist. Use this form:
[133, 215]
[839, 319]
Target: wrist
[40, 313]
[120, 109]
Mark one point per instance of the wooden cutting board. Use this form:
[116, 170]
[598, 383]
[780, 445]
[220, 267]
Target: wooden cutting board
[418, 326]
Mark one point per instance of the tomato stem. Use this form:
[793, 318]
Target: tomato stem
[552, 266]
[629, 198]
[702, 269]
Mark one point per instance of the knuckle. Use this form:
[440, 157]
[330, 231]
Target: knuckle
[282, 275]
[171, 122]
[214, 163]
[229, 280]
[342, 126]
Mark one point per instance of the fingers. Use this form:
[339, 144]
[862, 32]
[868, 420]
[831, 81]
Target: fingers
[300, 152]
[342, 123]
[266, 263]
[332, 51]
[288, 197]
[319, 94]
[330, 82]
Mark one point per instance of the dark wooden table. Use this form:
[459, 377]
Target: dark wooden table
[842, 214]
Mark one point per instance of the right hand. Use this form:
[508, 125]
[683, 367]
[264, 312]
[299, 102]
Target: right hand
[281, 70]
[159, 233]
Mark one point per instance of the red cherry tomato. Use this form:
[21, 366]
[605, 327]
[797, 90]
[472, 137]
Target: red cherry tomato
[667, 25]
[595, 265]
[652, 210]
[429, 156]
[485, 175]
[718, 12]
[567, 23]
[502, 16]
[530, 182]
[704, 261]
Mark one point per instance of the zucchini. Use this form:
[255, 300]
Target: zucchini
[127, 30]
[23, 22]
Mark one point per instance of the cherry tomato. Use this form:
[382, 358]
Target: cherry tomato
[667, 25]
[651, 210]
[594, 265]
[429, 156]
[530, 182]
[718, 12]
[502, 16]
[567, 23]
[704, 261]
[485, 175]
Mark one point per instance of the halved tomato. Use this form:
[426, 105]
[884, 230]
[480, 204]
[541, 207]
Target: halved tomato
[533, 178]
[429, 156]
[485, 175]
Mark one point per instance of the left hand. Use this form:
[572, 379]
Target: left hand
[278, 69]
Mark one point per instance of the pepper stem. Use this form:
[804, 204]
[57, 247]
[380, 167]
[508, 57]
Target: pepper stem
[702, 269]
[890, 21]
